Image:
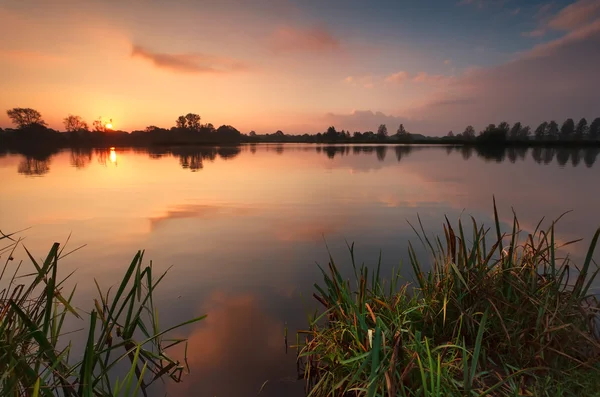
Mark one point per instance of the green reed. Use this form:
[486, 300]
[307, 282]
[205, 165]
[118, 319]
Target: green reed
[123, 331]
[493, 315]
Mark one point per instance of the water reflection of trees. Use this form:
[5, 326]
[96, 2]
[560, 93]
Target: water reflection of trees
[194, 158]
[541, 155]
[81, 157]
[34, 167]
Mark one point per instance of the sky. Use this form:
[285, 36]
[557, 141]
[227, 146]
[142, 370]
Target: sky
[302, 65]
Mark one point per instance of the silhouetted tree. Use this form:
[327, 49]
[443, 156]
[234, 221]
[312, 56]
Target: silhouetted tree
[331, 133]
[581, 128]
[192, 122]
[552, 132]
[181, 122]
[504, 127]
[594, 131]
[25, 117]
[382, 132]
[540, 131]
[515, 131]
[524, 132]
[401, 131]
[252, 134]
[99, 125]
[357, 135]
[450, 134]
[567, 129]
[75, 124]
[469, 132]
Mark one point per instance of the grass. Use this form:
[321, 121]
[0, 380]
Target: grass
[125, 350]
[494, 315]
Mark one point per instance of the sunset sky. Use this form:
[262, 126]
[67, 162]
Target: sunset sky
[301, 65]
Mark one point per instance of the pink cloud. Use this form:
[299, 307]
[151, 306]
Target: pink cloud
[575, 15]
[312, 40]
[424, 77]
[364, 81]
[540, 84]
[397, 78]
[188, 62]
[534, 33]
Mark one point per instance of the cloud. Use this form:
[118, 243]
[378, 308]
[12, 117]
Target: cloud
[317, 40]
[424, 77]
[188, 62]
[569, 18]
[539, 32]
[364, 81]
[203, 211]
[557, 79]
[516, 11]
[365, 120]
[397, 78]
[575, 15]
[447, 61]
[238, 328]
[481, 3]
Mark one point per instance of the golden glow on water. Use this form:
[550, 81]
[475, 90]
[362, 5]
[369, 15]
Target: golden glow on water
[113, 155]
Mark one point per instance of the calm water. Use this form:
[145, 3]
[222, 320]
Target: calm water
[243, 228]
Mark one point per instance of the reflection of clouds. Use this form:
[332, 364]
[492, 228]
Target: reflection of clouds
[204, 211]
[306, 230]
[235, 349]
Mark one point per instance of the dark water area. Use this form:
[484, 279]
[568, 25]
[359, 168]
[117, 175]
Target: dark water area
[243, 227]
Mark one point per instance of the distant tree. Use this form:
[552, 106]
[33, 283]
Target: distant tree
[277, 133]
[450, 134]
[552, 131]
[469, 132]
[581, 128]
[504, 127]
[370, 135]
[151, 128]
[192, 122]
[181, 122]
[524, 132]
[99, 125]
[357, 135]
[567, 129]
[25, 117]
[515, 130]
[331, 133]
[594, 131]
[488, 129]
[401, 131]
[540, 131]
[382, 131]
[252, 134]
[74, 124]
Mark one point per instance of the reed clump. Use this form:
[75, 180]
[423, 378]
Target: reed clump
[125, 350]
[505, 317]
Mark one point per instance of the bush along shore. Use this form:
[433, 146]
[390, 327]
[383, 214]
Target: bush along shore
[495, 316]
[125, 350]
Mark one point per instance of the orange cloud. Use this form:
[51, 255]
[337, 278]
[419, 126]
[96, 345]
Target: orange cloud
[238, 328]
[365, 81]
[398, 77]
[424, 77]
[189, 62]
[204, 211]
[313, 40]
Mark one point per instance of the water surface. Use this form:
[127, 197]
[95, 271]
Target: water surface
[243, 227]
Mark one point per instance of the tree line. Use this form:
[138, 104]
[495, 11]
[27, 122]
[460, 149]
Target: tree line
[549, 131]
[189, 129]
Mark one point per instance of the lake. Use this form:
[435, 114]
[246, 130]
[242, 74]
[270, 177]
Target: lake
[243, 228]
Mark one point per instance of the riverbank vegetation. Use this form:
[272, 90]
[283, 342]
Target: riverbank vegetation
[31, 129]
[495, 314]
[125, 350]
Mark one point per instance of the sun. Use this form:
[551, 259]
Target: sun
[108, 126]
